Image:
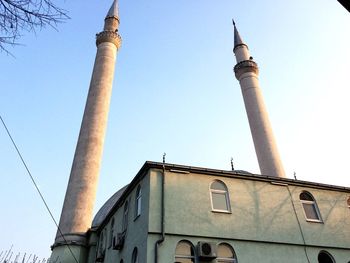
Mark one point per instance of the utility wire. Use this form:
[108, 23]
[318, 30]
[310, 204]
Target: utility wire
[36, 186]
[300, 228]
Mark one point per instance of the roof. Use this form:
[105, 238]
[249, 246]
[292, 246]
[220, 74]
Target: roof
[114, 10]
[237, 37]
[246, 175]
[107, 207]
[117, 199]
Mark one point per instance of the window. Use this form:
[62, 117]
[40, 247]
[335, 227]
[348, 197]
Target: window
[111, 233]
[348, 202]
[310, 207]
[184, 252]
[219, 197]
[102, 243]
[125, 215]
[225, 254]
[138, 202]
[325, 257]
[135, 257]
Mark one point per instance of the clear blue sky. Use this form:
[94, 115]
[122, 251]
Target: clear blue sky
[174, 92]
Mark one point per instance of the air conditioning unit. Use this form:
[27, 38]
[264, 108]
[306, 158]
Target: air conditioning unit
[206, 250]
[118, 241]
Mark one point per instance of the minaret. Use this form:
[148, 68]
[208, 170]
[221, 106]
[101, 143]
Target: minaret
[76, 216]
[246, 71]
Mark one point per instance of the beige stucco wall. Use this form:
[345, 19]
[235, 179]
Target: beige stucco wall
[76, 216]
[264, 140]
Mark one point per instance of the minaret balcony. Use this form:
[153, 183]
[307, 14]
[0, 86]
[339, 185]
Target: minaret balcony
[109, 36]
[244, 67]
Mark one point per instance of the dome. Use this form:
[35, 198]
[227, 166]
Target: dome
[107, 207]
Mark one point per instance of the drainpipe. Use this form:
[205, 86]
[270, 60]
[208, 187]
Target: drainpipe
[161, 240]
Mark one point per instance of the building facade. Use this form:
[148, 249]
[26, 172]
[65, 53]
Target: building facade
[172, 213]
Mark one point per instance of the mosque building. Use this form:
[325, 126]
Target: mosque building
[174, 213]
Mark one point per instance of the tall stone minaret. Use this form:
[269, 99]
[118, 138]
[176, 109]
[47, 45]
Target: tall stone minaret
[76, 216]
[246, 71]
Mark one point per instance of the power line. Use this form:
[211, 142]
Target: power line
[36, 187]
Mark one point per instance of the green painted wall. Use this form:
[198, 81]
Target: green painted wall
[92, 247]
[259, 211]
[155, 201]
[335, 229]
[262, 225]
[136, 235]
[63, 254]
[248, 252]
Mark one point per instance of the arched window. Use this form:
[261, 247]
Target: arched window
[325, 257]
[225, 254]
[138, 202]
[220, 201]
[125, 215]
[184, 252]
[111, 233]
[310, 207]
[121, 261]
[135, 257]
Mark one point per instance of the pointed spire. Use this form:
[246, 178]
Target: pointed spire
[237, 38]
[114, 10]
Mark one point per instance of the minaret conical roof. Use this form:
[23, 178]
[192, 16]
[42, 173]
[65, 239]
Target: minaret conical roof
[114, 10]
[237, 37]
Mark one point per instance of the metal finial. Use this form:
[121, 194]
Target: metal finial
[295, 175]
[164, 154]
[233, 22]
[232, 167]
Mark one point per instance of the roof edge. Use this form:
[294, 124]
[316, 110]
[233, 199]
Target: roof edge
[215, 172]
[240, 174]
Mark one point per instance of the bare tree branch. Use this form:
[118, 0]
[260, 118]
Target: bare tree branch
[7, 258]
[18, 16]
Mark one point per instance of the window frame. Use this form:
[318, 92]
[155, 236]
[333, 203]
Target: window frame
[125, 216]
[102, 243]
[327, 253]
[111, 233]
[177, 256]
[224, 192]
[228, 260]
[101, 248]
[138, 202]
[313, 202]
